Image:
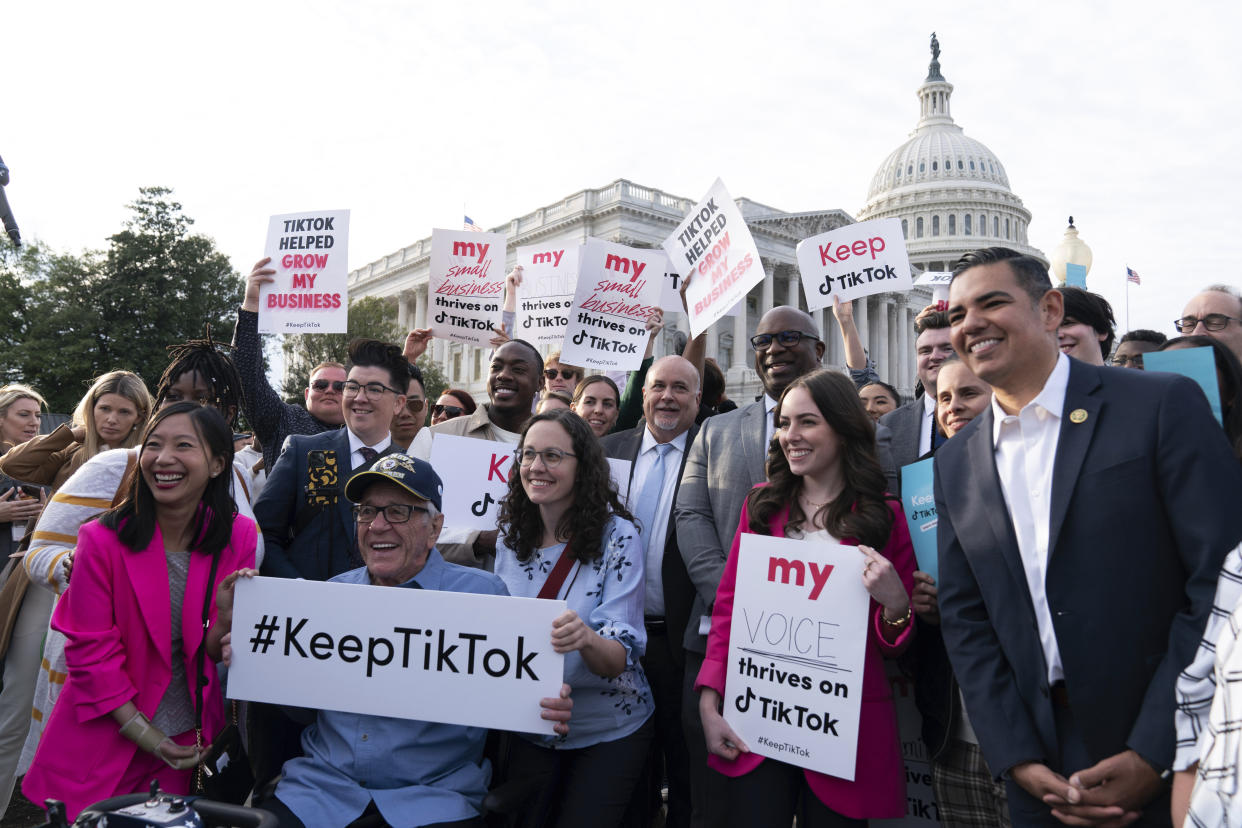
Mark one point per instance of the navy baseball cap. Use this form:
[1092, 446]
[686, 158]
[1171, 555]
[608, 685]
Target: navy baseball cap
[415, 476]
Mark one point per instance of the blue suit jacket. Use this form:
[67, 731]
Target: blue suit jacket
[303, 540]
[1145, 503]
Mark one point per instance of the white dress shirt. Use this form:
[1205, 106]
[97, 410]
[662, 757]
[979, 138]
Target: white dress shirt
[355, 443]
[1026, 450]
[925, 423]
[654, 539]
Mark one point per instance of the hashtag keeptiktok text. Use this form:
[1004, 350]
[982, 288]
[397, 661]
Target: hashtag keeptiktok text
[469, 653]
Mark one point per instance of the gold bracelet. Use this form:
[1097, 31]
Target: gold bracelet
[900, 622]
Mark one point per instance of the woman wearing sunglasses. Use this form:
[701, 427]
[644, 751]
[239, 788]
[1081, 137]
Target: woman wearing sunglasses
[565, 534]
[452, 404]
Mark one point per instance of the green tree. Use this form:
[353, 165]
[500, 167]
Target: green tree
[16, 268]
[434, 379]
[156, 284]
[372, 317]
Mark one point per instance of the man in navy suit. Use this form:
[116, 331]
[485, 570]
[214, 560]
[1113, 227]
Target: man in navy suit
[671, 396]
[1083, 519]
[308, 531]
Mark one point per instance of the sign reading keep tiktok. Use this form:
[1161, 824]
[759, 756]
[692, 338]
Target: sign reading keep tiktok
[854, 261]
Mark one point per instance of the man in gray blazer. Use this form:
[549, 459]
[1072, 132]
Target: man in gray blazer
[913, 425]
[725, 462]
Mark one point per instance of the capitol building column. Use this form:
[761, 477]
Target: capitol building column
[903, 345]
[741, 345]
[882, 366]
[769, 273]
[861, 313]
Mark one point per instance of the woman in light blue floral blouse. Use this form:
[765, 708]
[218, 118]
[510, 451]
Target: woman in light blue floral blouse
[563, 503]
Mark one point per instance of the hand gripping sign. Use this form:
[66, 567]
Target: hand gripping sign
[455, 657]
[714, 247]
[544, 299]
[853, 261]
[309, 293]
[618, 288]
[797, 646]
[466, 284]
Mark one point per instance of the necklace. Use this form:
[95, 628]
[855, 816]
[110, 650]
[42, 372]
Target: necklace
[807, 501]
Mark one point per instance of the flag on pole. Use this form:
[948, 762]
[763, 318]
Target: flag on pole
[468, 224]
[1131, 276]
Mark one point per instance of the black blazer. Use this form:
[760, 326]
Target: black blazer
[678, 589]
[1144, 507]
[302, 538]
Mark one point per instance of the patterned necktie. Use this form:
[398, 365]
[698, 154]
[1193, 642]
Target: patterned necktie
[368, 455]
[649, 498]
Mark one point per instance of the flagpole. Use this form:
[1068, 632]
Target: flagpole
[1128, 328]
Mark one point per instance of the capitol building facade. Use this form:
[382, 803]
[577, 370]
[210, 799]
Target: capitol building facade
[949, 191]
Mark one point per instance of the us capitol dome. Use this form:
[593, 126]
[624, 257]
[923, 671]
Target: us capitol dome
[950, 191]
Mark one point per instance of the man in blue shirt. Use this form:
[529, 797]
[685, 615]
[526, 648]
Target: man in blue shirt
[411, 772]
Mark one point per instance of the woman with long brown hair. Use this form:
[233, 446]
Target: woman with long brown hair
[824, 485]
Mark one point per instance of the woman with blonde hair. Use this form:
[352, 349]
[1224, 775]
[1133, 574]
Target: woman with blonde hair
[111, 415]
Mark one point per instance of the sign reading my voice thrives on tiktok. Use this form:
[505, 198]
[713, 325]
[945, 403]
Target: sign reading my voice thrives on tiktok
[309, 252]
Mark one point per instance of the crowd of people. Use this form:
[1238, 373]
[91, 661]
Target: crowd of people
[1074, 655]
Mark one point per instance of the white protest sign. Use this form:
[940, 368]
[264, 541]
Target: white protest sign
[714, 244]
[618, 288]
[466, 284]
[309, 252]
[475, 474]
[670, 297]
[549, 278]
[854, 261]
[939, 283]
[794, 682]
[455, 657]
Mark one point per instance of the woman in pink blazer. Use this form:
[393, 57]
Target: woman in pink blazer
[824, 484]
[133, 620]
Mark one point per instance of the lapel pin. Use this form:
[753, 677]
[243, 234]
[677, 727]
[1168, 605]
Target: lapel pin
[1078, 415]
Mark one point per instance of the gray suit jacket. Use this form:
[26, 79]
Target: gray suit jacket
[726, 461]
[906, 423]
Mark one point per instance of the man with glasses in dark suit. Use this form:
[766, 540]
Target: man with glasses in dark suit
[1215, 311]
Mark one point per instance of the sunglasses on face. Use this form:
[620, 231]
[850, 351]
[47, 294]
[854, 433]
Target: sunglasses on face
[551, 373]
[322, 385]
[451, 410]
[414, 405]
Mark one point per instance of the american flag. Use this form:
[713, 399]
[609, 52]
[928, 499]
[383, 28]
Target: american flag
[468, 224]
[1131, 276]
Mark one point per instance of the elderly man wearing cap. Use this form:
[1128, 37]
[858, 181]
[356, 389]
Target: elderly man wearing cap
[412, 772]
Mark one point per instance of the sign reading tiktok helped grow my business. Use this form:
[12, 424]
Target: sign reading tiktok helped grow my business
[854, 261]
[467, 284]
[455, 657]
[618, 288]
[713, 247]
[794, 680]
[549, 278]
[309, 252]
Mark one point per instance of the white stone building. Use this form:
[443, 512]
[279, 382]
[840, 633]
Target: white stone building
[950, 192]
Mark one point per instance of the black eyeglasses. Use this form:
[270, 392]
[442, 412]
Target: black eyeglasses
[787, 339]
[393, 513]
[322, 385]
[373, 389]
[552, 457]
[1212, 322]
[451, 410]
[1124, 361]
[551, 373]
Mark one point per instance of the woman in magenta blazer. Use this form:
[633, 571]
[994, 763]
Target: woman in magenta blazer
[133, 619]
[824, 484]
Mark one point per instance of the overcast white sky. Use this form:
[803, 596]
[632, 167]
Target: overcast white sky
[1124, 114]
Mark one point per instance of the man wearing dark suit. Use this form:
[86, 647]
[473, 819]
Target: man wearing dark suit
[657, 449]
[914, 424]
[308, 531]
[726, 461]
[1083, 519]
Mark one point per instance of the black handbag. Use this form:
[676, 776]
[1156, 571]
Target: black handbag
[224, 775]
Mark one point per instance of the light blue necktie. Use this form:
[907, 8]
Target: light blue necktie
[649, 498]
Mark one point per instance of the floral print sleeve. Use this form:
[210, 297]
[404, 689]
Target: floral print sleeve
[620, 582]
